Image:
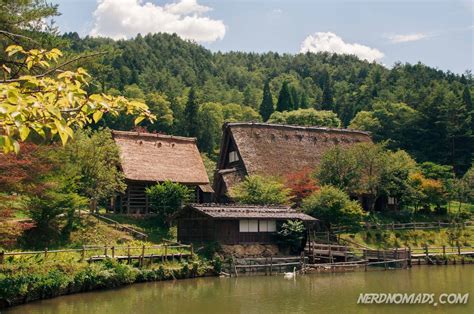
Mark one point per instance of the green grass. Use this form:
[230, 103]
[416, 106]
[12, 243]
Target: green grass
[153, 226]
[413, 238]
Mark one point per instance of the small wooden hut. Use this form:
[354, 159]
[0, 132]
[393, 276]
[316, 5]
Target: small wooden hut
[234, 224]
[275, 150]
[147, 159]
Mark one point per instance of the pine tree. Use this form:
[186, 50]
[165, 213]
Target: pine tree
[325, 83]
[191, 114]
[294, 98]
[304, 102]
[284, 99]
[467, 100]
[266, 108]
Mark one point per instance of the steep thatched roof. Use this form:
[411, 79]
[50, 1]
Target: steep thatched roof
[220, 211]
[156, 158]
[274, 149]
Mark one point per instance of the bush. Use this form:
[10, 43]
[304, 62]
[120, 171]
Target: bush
[167, 197]
[306, 117]
[291, 235]
[334, 207]
[260, 190]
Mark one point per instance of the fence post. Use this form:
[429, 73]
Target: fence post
[426, 252]
[166, 252]
[45, 252]
[113, 251]
[2, 256]
[192, 251]
[83, 253]
[384, 261]
[444, 251]
[409, 256]
[105, 250]
[459, 248]
[271, 265]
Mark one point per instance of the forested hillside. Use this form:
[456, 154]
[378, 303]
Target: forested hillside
[423, 110]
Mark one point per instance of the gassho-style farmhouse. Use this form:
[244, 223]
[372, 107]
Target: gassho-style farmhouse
[246, 149]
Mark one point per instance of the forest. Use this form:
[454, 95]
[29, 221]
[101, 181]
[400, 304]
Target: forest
[423, 110]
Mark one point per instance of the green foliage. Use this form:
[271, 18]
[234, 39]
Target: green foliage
[211, 118]
[260, 190]
[191, 115]
[266, 107]
[167, 197]
[291, 235]
[306, 117]
[333, 206]
[92, 161]
[338, 168]
[285, 102]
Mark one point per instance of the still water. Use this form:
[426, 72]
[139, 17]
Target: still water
[316, 293]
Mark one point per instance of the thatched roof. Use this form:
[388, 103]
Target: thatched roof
[220, 211]
[156, 158]
[274, 149]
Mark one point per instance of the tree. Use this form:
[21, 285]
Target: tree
[260, 190]
[301, 185]
[295, 99]
[161, 108]
[366, 121]
[210, 118]
[266, 107]
[467, 101]
[333, 207]
[191, 113]
[304, 102]
[167, 197]
[284, 99]
[338, 168]
[51, 103]
[291, 235]
[328, 101]
[306, 117]
[92, 162]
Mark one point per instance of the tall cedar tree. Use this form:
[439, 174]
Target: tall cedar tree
[294, 98]
[191, 114]
[467, 100]
[304, 102]
[328, 101]
[284, 99]
[266, 108]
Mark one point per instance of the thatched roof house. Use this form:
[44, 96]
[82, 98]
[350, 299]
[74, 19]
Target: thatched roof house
[150, 158]
[234, 224]
[274, 149]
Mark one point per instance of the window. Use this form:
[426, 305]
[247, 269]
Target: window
[391, 200]
[233, 156]
[254, 225]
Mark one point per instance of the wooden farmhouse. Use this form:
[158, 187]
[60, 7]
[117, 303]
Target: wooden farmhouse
[147, 159]
[274, 150]
[234, 224]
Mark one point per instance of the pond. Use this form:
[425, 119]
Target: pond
[323, 293]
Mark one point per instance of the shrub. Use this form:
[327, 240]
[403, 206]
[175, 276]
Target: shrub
[167, 197]
[334, 207]
[260, 190]
[291, 235]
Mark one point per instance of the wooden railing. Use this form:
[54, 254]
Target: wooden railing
[163, 252]
[135, 233]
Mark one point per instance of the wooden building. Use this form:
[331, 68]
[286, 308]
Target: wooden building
[147, 159]
[274, 150]
[234, 224]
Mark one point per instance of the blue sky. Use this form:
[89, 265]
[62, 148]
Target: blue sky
[437, 33]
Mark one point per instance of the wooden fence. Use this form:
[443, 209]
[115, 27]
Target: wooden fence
[162, 252]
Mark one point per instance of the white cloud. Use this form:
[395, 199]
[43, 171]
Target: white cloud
[119, 19]
[403, 38]
[330, 42]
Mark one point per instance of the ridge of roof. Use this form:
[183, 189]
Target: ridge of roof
[153, 135]
[294, 127]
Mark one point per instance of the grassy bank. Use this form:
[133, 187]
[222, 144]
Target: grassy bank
[26, 281]
[413, 238]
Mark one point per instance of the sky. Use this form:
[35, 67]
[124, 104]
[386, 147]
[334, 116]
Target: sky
[437, 33]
